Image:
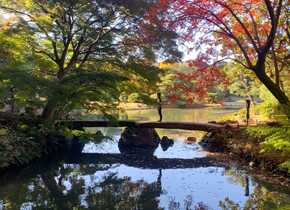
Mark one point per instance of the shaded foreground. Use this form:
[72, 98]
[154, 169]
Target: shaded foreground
[99, 177]
[118, 181]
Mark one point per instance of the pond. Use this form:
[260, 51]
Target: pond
[108, 181]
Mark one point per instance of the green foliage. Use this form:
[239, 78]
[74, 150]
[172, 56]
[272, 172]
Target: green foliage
[215, 97]
[84, 136]
[57, 65]
[270, 108]
[274, 139]
[260, 199]
[19, 146]
[242, 83]
[17, 149]
[286, 165]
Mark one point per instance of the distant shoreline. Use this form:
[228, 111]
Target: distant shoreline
[140, 106]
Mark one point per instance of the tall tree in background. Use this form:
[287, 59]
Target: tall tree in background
[194, 83]
[250, 32]
[85, 48]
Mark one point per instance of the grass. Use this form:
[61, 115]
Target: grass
[274, 141]
[269, 141]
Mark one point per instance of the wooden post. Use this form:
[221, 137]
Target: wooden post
[159, 106]
[12, 99]
[248, 103]
[247, 188]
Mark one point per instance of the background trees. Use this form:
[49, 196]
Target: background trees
[251, 33]
[75, 52]
[185, 84]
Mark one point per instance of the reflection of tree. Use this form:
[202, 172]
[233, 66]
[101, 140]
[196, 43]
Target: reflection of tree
[187, 205]
[76, 186]
[260, 199]
[238, 177]
[64, 189]
[122, 193]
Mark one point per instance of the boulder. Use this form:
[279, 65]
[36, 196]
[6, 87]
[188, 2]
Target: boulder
[138, 139]
[191, 139]
[166, 143]
[213, 142]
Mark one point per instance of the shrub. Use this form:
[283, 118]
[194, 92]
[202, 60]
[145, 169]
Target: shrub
[17, 150]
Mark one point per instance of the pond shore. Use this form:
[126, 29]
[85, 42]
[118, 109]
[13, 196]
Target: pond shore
[238, 148]
[247, 151]
[19, 148]
[138, 106]
[240, 144]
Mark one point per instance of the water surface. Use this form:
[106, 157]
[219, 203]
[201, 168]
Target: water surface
[63, 185]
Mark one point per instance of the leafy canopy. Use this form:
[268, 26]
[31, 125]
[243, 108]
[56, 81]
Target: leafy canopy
[79, 51]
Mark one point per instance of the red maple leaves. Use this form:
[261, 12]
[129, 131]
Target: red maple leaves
[195, 85]
[247, 32]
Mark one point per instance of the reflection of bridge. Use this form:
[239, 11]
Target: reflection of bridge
[166, 125]
[144, 162]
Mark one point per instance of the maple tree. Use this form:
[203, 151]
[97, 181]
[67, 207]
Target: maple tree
[253, 33]
[195, 83]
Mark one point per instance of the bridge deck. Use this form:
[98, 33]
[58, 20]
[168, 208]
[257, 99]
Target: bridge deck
[167, 125]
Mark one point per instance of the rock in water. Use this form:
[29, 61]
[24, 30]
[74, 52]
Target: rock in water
[166, 143]
[191, 139]
[213, 142]
[141, 139]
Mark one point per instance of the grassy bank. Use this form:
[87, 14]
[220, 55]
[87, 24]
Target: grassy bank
[266, 141]
[22, 144]
[265, 147]
[273, 144]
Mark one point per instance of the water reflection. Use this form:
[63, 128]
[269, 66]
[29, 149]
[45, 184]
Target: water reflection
[66, 186]
[262, 199]
[103, 183]
[179, 115]
[102, 178]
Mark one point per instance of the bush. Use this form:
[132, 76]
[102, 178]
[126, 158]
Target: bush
[17, 150]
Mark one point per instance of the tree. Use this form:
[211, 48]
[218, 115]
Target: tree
[85, 49]
[243, 31]
[192, 84]
[241, 83]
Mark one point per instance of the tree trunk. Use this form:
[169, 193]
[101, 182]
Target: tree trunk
[276, 66]
[272, 86]
[49, 110]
